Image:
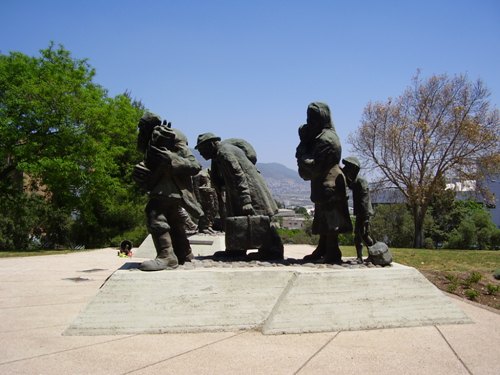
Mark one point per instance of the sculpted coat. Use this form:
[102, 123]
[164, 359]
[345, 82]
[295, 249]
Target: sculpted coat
[318, 156]
[178, 165]
[243, 184]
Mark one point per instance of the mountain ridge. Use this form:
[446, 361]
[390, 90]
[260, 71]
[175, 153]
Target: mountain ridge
[285, 184]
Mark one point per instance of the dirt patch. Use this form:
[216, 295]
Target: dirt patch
[476, 286]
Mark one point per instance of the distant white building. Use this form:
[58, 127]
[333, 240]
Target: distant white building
[462, 186]
[288, 219]
[294, 222]
[464, 190]
[285, 212]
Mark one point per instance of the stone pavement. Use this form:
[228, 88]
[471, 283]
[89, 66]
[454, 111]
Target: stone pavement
[41, 296]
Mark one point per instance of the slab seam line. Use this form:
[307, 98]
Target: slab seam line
[280, 299]
[183, 353]
[316, 353]
[65, 350]
[453, 350]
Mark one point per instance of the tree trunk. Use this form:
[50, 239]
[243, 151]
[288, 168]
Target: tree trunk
[418, 220]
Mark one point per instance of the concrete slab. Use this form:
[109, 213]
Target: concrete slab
[355, 299]
[201, 245]
[273, 300]
[419, 350]
[474, 343]
[120, 355]
[246, 353]
[207, 244]
[180, 301]
[146, 249]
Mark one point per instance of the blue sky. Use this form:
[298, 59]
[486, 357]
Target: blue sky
[249, 69]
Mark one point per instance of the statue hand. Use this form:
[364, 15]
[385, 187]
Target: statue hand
[366, 227]
[157, 155]
[141, 174]
[248, 209]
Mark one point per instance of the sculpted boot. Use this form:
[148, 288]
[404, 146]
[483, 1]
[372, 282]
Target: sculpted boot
[333, 255]
[182, 248]
[272, 248]
[359, 253]
[165, 258]
[319, 252]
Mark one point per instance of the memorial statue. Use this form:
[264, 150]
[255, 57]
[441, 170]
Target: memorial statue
[248, 203]
[318, 156]
[361, 204]
[166, 174]
[207, 196]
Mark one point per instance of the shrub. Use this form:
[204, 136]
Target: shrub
[464, 237]
[471, 294]
[451, 278]
[452, 287]
[429, 243]
[496, 274]
[297, 236]
[136, 236]
[475, 231]
[492, 289]
[346, 239]
[473, 278]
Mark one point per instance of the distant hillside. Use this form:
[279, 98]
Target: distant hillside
[278, 171]
[285, 184]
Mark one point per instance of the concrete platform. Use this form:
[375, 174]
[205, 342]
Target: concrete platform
[41, 296]
[201, 245]
[273, 300]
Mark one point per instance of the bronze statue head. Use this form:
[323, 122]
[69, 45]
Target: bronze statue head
[206, 145]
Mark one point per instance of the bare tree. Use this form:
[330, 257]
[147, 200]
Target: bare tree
[438, 128]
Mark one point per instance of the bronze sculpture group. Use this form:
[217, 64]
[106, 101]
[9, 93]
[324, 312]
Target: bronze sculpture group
[237, 191]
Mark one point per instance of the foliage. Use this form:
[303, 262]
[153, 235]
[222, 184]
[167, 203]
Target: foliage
[476, 230]
[460, 224]
[496, 274]
[471, 294]
[71, 144]
[297, 236]
[443, 216]
[451, 278]
[20, 221]
[346, 239]
[473, 278]
[301, 211]
[492, 289]
[438, 127]
[452, 287]
[136, 235]
[393, 225]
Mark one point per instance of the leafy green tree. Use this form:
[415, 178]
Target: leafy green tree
[70, 143]
[476, 230]
[445, 214]
[18, 224]
[439, 127]
[302, 211]
[393, 224]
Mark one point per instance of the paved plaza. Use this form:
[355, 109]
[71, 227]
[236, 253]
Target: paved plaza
[41, 297]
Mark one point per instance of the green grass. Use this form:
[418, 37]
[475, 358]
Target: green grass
[441, 260]
[22, 253]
